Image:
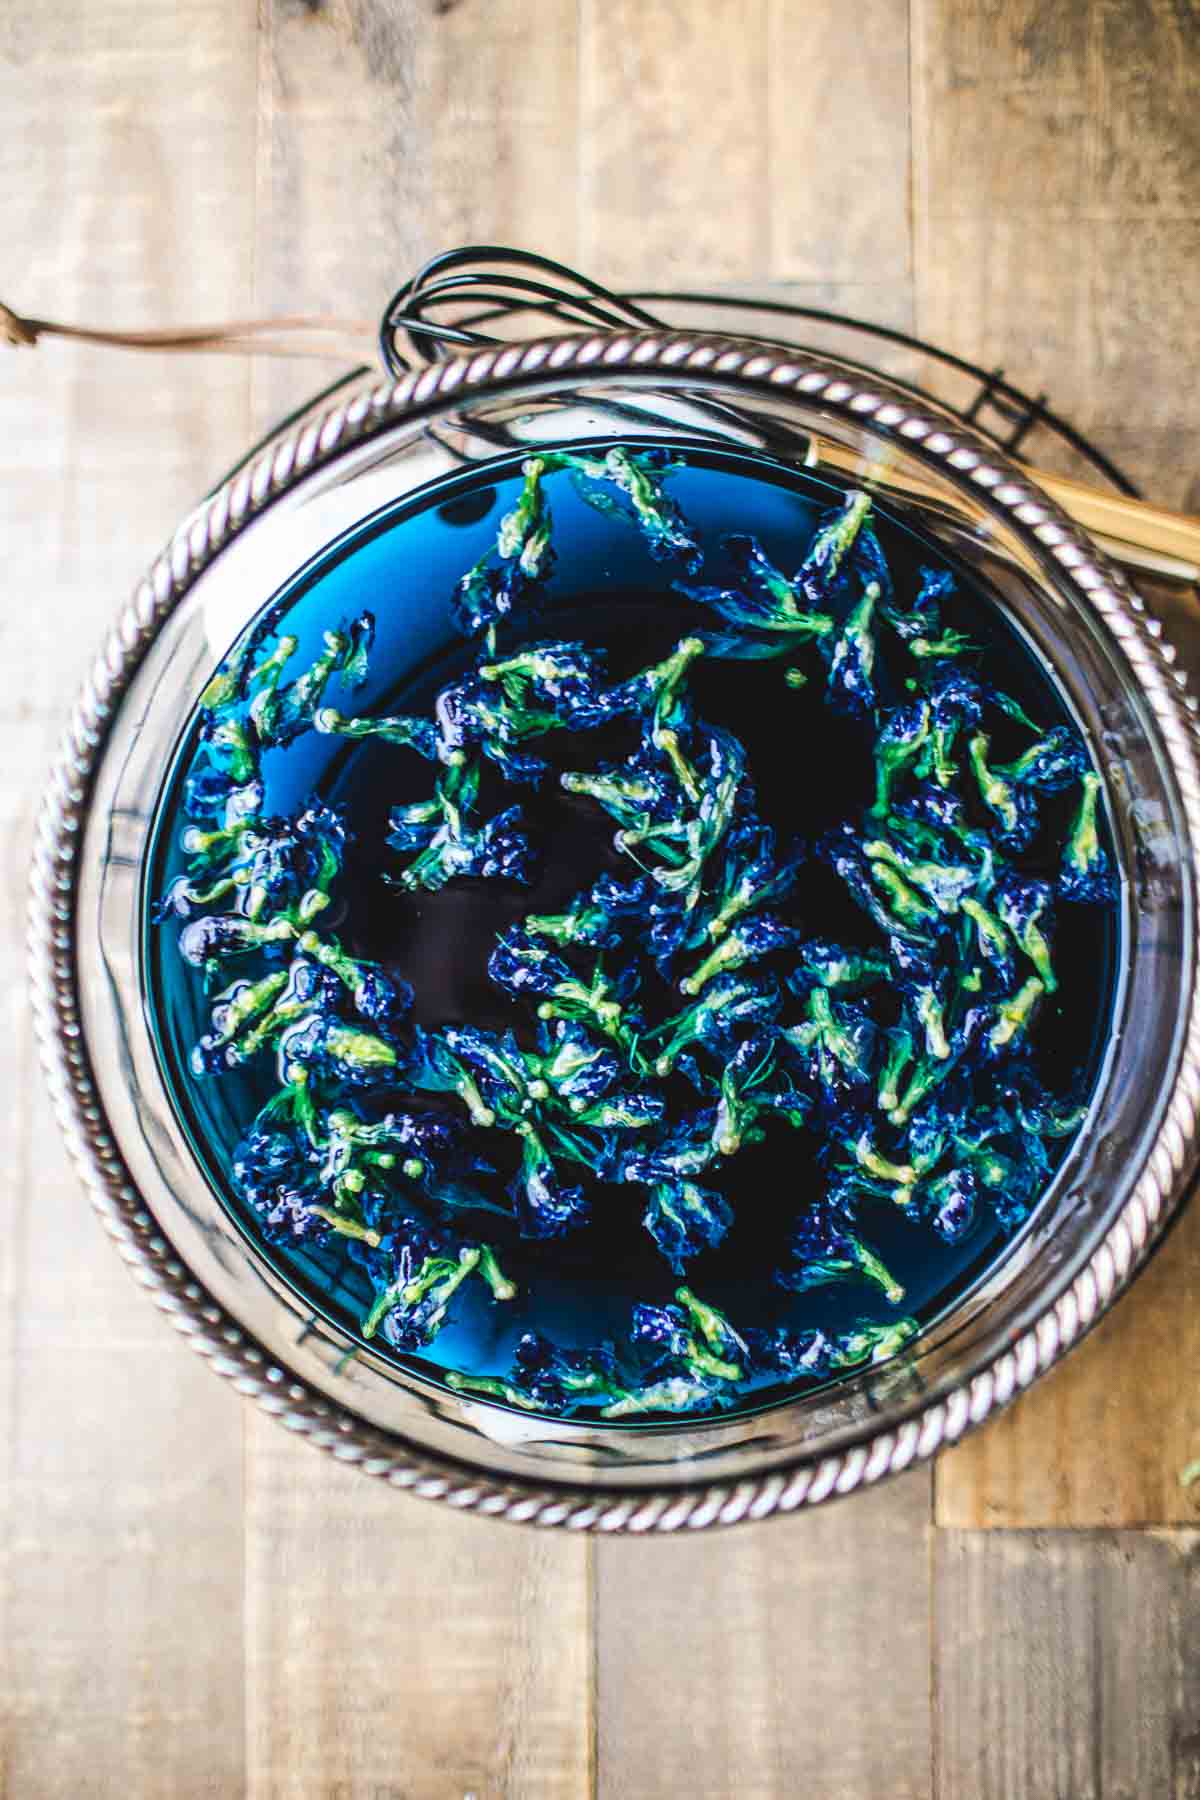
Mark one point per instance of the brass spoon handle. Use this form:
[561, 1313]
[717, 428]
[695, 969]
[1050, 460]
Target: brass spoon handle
[1132, 531]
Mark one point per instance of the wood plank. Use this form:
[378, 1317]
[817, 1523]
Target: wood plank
[390, 130]
[838, 143]
[793, 1656]
[784, 1658]
[395, 1647]
[1100, 1440]
[673, 141]
[398, 1648]
[1056, 159]
[1067, 1664]
[1056, 224]
[120, 1641]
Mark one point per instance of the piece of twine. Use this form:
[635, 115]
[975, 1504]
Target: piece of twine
[314, 336]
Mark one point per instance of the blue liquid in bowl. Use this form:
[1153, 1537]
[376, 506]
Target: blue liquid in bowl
[811, 768]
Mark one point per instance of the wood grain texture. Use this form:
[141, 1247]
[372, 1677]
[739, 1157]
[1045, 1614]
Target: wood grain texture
[396, 1648]
[1056, 173]
[393, 129]
[785, 1658]
[673, 141]
[1101, 1439]
[837, 144]
[401, 1651]
[120, 1508]
[1067, 1664]
[1057, 228]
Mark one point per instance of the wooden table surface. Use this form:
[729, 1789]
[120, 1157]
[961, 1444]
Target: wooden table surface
[191, 1603]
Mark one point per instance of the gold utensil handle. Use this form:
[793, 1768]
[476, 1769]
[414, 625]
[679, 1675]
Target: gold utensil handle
[1147, 538]
[1133, 532]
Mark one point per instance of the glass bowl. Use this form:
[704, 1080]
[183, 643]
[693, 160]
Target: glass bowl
[323, 474]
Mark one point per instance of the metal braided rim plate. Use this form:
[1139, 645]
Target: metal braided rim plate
[231, 1351]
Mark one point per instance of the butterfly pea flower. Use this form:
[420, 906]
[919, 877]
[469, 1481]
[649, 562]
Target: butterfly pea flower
[727, 1004]
[687, 1150]
[668, 1330]
[943, 882]
[546, 1378]
[432, 1067]
[840, 533]
[307, 1174]
[275, 1171]
[1056, 761]
[950, 643]
[638, 794]
[522, 966]
[283, 864]
[751, 1083]
[623, 1112]
[881, 892]
[238, 1007]
[208, 796]
[818, 962]
[898, 1180]
[1025, 906]
[1012, 805]
[992, 941]
[765, 601]
[451, 843]
[824, 1249]
[637, 477]
[307, 988]
[598, 919]
[901, 744]
[509, 1087]
[552, 679]
[840, 1031]
[570, 1067]
[412, 1311]
[476, 714]
[897, 1061]
[206, 941]
[689, 841]
[850, 684]
[923, 619]
[521, 559]
[546, 1205]
[409, 733]
[950, 1203]
[747, 942]
[868, 1342]
[929, 1013]
[1015, 1014]
[342, 1052]
[524, 533]
[753, 874]
[280, 713]
[955, 700]
[693, 1333]
[226, 687]
[928, 1074]
[487, 594]
[354, 1146]
[685, 1219]
[789, 1354]
[1085, 875]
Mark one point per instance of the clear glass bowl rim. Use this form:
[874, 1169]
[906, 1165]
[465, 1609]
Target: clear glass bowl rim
[963, 459]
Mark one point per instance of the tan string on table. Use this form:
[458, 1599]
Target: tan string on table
[315, 336]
